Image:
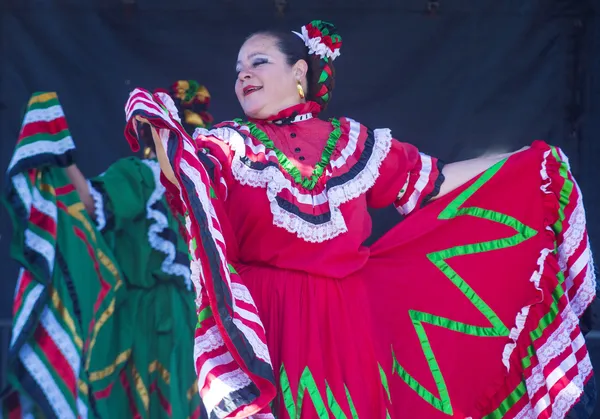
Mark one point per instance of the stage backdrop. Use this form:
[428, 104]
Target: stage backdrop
[455, 77]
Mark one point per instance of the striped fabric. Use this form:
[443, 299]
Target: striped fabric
[557, 366]
[419, 185]
[232, 361]
[58, 320]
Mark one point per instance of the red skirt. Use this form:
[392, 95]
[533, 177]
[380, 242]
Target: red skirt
[467, 308]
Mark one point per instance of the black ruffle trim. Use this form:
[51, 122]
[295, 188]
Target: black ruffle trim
[438, 184]
[220, 288]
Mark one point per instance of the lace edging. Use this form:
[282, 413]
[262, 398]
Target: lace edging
[274, 181]
[535, 278]
[161, 223]
[516, 331]
[366, 178]
[557, 343]
[100, 216]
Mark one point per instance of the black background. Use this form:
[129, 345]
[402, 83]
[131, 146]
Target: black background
[456, 78]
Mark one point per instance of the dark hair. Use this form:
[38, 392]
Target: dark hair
[145, 135]
[294, 49]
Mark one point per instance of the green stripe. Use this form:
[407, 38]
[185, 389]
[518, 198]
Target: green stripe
[308, 384]
[334, 407]
[286, 393]
[509, 402]
[442, 403]
[193, 247]
[308, 182]
[43, 105]
[44, 136]
[384, 382]
[439, 259]
[351, 403]
[44, 234]
[204, 314]
[565, 193]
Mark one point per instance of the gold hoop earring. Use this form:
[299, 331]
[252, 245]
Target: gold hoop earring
[147, 152]
[300, 90]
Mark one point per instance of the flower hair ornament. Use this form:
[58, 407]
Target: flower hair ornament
[192, 101]
[323, 41]
[321, 38]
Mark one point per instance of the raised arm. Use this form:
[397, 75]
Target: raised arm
[408, 179]
[119, 194]
[161, 154]
[82, 187]
[459, 173]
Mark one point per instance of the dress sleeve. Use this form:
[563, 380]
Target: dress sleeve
[216, 156]
[407, 178]
[229, 326]
[120, 194]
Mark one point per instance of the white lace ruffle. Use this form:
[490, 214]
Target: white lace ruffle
[56, 148]
[587, 290]
[274, 181]
[161, 223]
[541, 380]
[170, 105]
[535, 279]
[573, 236]
[558, 342]
[99, 215]
[515, 332]
[207, 342]
[43, 115]
[366, 178]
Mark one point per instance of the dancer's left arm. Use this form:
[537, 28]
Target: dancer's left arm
[459, 173]
[409, 179]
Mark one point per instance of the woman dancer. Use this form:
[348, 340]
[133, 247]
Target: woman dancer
[138, 366]
[299, 319]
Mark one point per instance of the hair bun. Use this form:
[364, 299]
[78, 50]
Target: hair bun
[323, 43]
[321, 38]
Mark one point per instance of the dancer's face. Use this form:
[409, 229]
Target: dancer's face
[266, 83]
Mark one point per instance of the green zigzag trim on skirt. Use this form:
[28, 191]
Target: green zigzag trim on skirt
[307, 383]
[439, 259]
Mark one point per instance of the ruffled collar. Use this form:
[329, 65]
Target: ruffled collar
[296, 113]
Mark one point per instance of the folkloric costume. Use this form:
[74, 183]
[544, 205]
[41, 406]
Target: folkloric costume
[297, 319]
[108, 298]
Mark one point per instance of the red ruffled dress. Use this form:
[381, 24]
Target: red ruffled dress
[467, 308]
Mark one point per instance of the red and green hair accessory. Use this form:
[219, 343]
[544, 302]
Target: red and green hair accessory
[321, 38]
[324, 43]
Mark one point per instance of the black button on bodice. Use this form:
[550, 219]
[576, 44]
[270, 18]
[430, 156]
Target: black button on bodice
[301, 158]
[297, 150]
[293, 135]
